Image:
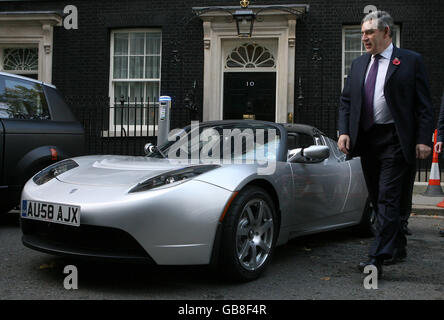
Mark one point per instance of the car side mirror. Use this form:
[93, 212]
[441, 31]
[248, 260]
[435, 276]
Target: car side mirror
[149, 148]
[312, 154]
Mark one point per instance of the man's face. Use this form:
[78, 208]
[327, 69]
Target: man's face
[374, 40]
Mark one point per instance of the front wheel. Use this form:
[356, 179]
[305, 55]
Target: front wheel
[249, 235]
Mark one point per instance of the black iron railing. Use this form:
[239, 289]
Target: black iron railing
[121, 126]
[126, 118]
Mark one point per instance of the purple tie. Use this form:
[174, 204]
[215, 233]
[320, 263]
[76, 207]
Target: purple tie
[369, 87]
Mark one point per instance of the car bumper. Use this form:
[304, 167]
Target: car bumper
[173, 226]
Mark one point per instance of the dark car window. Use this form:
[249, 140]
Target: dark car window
[58, 108]
[299, 140]
[227, 136]
[21, 99]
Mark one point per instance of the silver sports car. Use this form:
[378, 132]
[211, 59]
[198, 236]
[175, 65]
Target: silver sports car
[224, 193]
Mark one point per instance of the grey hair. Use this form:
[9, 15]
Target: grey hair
[383, 19]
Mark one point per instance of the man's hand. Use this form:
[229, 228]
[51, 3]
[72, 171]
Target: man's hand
[438, 147]
[423, 151]
[344, 143]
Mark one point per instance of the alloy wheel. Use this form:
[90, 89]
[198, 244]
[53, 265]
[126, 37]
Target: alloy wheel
[254, 235]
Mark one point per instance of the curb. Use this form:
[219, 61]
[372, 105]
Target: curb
[427, 210]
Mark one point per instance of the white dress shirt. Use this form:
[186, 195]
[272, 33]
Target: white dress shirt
[381, 111]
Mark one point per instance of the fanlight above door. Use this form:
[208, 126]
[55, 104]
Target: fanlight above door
[250, 56]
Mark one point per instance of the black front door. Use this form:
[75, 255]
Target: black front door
[250, 95]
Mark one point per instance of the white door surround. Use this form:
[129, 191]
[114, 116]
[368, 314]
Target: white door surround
[271, 26]
[31, 29]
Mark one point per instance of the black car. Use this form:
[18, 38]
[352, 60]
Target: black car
[37, 128]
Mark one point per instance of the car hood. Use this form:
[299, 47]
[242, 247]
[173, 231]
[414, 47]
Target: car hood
[117, 170]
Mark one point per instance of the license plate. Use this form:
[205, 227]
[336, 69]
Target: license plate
[51, 212]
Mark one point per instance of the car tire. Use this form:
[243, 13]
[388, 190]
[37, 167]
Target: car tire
[249, 235]
[367, 226]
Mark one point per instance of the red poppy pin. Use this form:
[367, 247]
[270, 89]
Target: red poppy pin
[396, 62]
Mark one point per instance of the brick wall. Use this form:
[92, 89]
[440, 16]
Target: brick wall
[81, 58]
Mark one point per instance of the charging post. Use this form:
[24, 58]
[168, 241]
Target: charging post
[164, 119]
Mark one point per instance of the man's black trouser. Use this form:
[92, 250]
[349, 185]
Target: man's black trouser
[406, 198]
[386, 175]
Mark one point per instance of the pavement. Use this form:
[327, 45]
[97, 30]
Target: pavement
[423, 203]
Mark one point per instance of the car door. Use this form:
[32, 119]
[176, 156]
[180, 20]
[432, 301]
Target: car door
[320, 189]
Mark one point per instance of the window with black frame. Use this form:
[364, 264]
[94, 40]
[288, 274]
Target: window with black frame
[135, 79]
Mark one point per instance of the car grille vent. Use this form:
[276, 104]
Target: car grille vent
[85, 238]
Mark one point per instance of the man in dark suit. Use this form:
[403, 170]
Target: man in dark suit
[386, 118]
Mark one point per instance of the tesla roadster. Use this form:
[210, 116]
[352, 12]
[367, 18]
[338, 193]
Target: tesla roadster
[224, 193]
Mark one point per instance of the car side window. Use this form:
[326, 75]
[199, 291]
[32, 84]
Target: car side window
[299, 140]
[21, 99]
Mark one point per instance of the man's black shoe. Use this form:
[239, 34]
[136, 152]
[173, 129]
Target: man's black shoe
[372, 262]
[399, 255]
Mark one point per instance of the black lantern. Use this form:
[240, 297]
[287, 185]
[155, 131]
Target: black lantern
[244, 20]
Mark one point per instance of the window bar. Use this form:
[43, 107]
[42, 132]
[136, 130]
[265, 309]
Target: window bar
[135, 116]
[155, 116]
[119, 110]
[115, 116]
[147, 116]
[127, 134]
[122, 102]
[134, 126]
[150, 117]
[127, 121]
[141, 116]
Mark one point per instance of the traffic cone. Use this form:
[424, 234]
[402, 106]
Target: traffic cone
[434, 188]
[441, 204]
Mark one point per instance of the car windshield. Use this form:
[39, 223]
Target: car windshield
[238, 141]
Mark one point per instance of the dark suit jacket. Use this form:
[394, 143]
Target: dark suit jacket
[407, 95]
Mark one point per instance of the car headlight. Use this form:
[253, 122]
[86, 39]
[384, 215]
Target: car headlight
[171, 177]
[53, 171]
